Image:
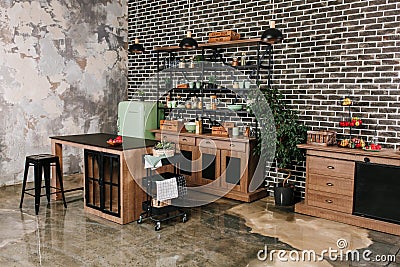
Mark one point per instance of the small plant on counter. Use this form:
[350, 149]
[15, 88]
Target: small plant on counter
[164, 145]
[164, 148]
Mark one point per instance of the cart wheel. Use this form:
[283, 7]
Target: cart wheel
[140, 220]
[184, 218]
[158, 226]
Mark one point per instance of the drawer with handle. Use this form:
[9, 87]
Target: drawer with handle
[329, 201]
[330, 167]
[330, 184]
[184, 140]
[226, 145]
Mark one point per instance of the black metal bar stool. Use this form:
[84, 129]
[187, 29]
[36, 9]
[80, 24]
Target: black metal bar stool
[42, 163]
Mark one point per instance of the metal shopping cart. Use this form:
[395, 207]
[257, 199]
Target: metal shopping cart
[163, 191]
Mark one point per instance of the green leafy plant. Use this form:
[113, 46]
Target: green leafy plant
[198, 58]
[212, 79]
[164, 145]
[289, 130]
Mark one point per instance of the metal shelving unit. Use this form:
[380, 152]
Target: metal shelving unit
[201, 68]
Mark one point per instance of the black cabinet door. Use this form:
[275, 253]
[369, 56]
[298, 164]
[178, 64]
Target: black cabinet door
[234, 169]
[187, 165]
[209, 166]
[102, 182]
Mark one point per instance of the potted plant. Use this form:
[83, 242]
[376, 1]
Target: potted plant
[289, 133]
[164, 148]
[168, 83]
[212, 82]
[141, 95]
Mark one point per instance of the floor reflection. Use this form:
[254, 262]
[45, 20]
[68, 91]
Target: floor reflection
[224, 233]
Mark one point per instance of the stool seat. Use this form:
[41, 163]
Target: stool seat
[42, 164]
[41, 157]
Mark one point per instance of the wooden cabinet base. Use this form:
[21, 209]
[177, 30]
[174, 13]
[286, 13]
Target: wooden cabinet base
[236, 195]
[364, 222]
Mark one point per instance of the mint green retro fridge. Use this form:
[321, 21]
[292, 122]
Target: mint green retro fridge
[136, 118]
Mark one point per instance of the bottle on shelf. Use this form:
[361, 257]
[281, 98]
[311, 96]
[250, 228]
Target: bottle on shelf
[168, 99]
[243, 59]
[199, 126]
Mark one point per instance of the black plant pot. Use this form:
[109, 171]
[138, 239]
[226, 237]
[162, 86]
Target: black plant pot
[284, 195]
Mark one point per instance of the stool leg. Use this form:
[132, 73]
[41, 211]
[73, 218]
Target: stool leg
[60, 180]
[46, 169]
[38, 186]
[24, 183]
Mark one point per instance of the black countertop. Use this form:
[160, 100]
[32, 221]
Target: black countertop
[99, 140]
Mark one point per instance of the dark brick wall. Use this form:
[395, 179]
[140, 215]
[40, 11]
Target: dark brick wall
[332, 48]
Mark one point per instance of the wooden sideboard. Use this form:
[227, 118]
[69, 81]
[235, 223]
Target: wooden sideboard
[330, 184]
[218, 165]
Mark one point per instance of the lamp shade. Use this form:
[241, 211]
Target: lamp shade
[136, 47]
[272, 35]
[188, 42]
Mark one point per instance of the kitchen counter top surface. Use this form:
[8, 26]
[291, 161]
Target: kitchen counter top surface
[99, 140]
[239, 138]
[384, 153]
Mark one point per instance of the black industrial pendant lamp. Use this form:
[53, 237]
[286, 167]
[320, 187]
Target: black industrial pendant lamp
[188, 42]
[272, 35]
[136, 47]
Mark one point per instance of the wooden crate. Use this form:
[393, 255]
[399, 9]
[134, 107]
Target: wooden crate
[321, 138]
[171, 125]
[222, 130]
[223, 36]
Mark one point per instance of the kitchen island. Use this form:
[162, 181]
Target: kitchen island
[110, 186]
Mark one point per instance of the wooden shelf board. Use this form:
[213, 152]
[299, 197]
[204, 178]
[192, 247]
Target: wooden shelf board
[237, 43]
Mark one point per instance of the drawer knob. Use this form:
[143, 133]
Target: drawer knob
[184, 139]
[329, 184]
[331, 167]
[232, 145]
[328, 201]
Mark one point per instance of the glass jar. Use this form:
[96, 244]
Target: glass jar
[235, 62]
[214, 102]
[195, 102]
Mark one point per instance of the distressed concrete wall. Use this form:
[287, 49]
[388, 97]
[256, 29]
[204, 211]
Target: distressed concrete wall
[62, 71]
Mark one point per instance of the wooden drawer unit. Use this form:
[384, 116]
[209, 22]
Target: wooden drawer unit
[184, 140]
[330, 184]
[330, 201]
[330, 167]
[225, 145]
[336, 186]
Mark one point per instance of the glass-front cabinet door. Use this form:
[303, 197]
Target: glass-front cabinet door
[233, 169]
[209, 161]
[187, 165]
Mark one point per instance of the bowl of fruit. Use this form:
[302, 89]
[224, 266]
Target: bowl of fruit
[117, 141]
[373, 147]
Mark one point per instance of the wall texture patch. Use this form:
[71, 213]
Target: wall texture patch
[62, 71]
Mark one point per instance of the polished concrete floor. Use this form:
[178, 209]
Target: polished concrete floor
[224, 233]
